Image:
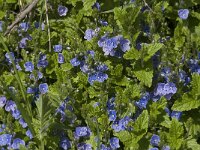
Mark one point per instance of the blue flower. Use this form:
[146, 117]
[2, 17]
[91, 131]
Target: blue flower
[29, 66]
[183, 13]
[112, 115]
[154, 148]
[1, 23]
[17, 142]
[84, 146]
[61, 58]
[65, 143]
[16, 114]
[43, 88]
[103, 147]
[166, 148]
[114, 143]
[10, 56]
[57, 48]
[110, 103]
[29, 134]
[62, 10]
[75, 62]
[97, 6]
[84, 67]
[103, 22]
[117, 126]
[155, 140]
[91, 52]
[42, 63]
[22, 43]
[10, 105]
[89, 34]
[24, 26]
[82, 131]
[102, 67]
[5, 139]
[2, 101]
[176, 114]
[30, 90]
[99, 76]
[142, 103]
[23, 123]
[124, 44]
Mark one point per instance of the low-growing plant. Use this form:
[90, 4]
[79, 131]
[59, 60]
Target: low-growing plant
[100, 75]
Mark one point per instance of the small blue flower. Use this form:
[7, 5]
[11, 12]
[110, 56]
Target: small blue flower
[82, 131]
[30, 90]
[29, 66]
[23, 43]
[10, 105]
[61, 58]
[75, 62]
[84, 67]
[10, 56]
[65, 143]
[142, 103]
[5, 139]
[166, 148]
[29, 134]
[91, 52]
[176, 114]
[23, 123]
[183, 13]
[112, 115]
[84, 146]
[103, 22]
[16, 114]
[62, 10]
[114, 143]
[24, 26]
[117, 126]
[43, 88]
[2, 101]
[124, 44]
[155, 140]
[103, 147]
[1, 23]
[42, 64]
[154, 148]
[110, 103]
[57, 48]
[89, 34]
[102, 67]
[97, 6]
[17, 142]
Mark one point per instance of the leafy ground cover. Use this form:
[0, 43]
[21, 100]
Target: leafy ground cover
[99, 75]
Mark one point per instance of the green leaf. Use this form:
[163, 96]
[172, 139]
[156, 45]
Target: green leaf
[141, 124]
[192, 144]
[195, 85]
[144, 76]
[2, 14]
[186, 103]
[175, 135]
[132, 54]
[151, 49]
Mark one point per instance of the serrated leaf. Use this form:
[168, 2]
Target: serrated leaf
[192, 144]
[132, 54]
[186, 103]
[195, 85]
[151, 49]
[144, 76]
[141, 124]
[175, 135]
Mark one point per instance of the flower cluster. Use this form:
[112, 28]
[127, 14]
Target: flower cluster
[114, 46]
[95, 72]
[166, 90]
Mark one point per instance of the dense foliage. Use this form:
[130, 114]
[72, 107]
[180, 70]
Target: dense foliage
[105, 75]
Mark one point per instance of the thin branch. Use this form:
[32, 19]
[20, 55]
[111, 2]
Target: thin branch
[21, 16]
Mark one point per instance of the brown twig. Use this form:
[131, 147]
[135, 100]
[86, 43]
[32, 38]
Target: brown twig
[21, 16]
